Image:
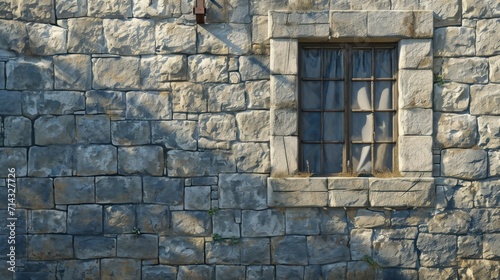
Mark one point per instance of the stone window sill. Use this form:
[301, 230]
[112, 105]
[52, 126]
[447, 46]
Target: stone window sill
[350, 192]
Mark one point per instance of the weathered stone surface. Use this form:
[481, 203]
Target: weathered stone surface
[14, 36]
[34, 193]
[73, 269]
[489, 132]
[50, 161]
[208, 68]
[118, 189]
[410, 192]
[415, 54]
[494, 69]
[437, 249]
[146, 105]
[17, 131]
[258, 93]
[86, 35]
[217, 126]
[221, 253]
[270, 222]
[254, 67]
[72, 71]
[289, 250]
[196, 272]
[74, 190]
[289, 272]
[454, 130]
[119, 218]
[110, 8]
[71, 9]
[242, 191]
[345, 24]
[175, 134]
[297, 192]
[454, 41]
[474, 9]
[230, 272]
[478, 269]
[84, 219]
[284, 24]
[451, 97]
[464, 163]
[259, 29]
[54, 130]
[224, 97]
[154, 218]
[487, 35]
[120, 269]
[360, 243]
[324, 249]
[487, 193]
[454, 222]
[159, 272]
[90, 247]
[137, 246]
[395, 253]
[466, 70]
[224, 39]
[255, 251]
[470, 246]
[157, 71]
[485, 220]
[491, 246]
[192, 223]
[225, 223]
[252, 157]
[34, 10]
[29, 73]
[360, 270]
[93, 129]
[46, 39]
[111, 103]
[368, 219]
[445, 12]
[347, 192]
[284, 55]
[253, 125]
[188, 97]
[50, 247]
[494, 162]
[415, 88]
[260, 272]
[399, 24]
[284, 91]
[10, 102]
[184, 163]
[96, 160]
[197, 198]
[416, 121]
[116, 73]
[130, 36]
[484, 99]
[152, 9]
[415, 153]
[130, 132]
[175, 38]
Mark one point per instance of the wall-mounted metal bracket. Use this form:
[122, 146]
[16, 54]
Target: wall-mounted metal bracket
[200, 11]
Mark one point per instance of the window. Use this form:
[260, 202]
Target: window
[347, 101]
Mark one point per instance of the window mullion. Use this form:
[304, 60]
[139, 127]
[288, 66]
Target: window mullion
[373, 109]
[347, 109]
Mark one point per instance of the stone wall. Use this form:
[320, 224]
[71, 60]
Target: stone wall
[143, 144]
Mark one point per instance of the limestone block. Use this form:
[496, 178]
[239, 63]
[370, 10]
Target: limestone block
[119, 218]
[291, 250]
[415, 89]
[415, 54]
[230, 272]
[96, 160]
[93, 129]
[415, 153]
[483, 9]
[147, 160]
[224, 39]
[86, 35]
[118, 189]
[455, 222]
[464, 163]
[302, 221]
[14, 36]
[72, 72]
[191, 223]
[52, 102]
[221, 253]
[308, 193]
[242, 191]
[255, 251]
[233, 11]
[368, 219]
[261, 7]
[111, 103]
[454, 41]
[35, 193]
[469, 246]
[50, 161]
[299, 24]
[90, 247]
[494, 161]
[84, 268]
[159, 272]
[147, 105]
[437, 249]
[390, 24]
[284, 56]
[120, 268]
[324, 249]
[224, 97]
[410, 192]
[348, 24]
[259, 29]
[491, 246]
[130, 36]
[188, 97]
[84, 219]
[487, 37]
[48, 247]
[253, 125]
[416, 121]
[270, 222]
[46, 39]
[175, 38]
[395, 253]
[152, 9]
[208, 68]
[142, 246]
[196, 272]
[74, 190]
[186, 163]
[51, 130]
[284, 155]
[489, 132]
[254, 67]
[455, 130]
[110, 8]
[484, 220]
[347, 192]
[154, 218]
[252, 157]
[484, 99]
[175, 134]
[116, 73]
[445, 12]
[163, 190]
[17, 131]
[361, 243]
[197, 198]
[34, 10]
[217, 126]
[29, 73]
[478, 269]
[258, 93]
[451, 97]
[10, 102]
[494, 62]
[157, 71]
[487, 193]
[466, 70]
[71, 9]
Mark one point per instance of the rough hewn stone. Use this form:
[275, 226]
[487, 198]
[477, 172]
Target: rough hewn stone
[185, 163]
[454, 41]
[191, 223]
[454, 130]
[34, 10]
[148, 160]
[29, 73]
[415, 54]
[90, 247]
[242, 191]
[70, 9]
[456, 222]
[474, 9]
[478, 269]
[224, 39]
[487, 34]
[466, 70]
[137, 246]
[224, 97]
[258, 96]
[415, 88]
[96, 160]
[120, 268]
[111, 103]
[451, 97]
[46, 39]
[116, 73]
[130, 36]
[437, 249]
[74, 190]
[470, 246]
[197, 198]
[84, 219]
[54, 130]
[175, 134]
[152, 9]
[298, 24]
[196, 272]
[487, 193]
[252, 157]
[86, 35]
[415, 121]
[157, 71]
[225, 225]
[93, 129]
[175, 38]
[360, 243]
[14, 36]
[489, 132]
[445, 12]
[494, 62]
[324, 249]
[270, 222]
[147, 105]
[254, 67]
[154, 218]
[345, 24]
[34, 193]
[395, 253]
[484, 99]
[289, 250]
[230, 272]
[253, 125]
[130, 133]
[415, 153]
[17, 131]
[159, 272]
[217, 126]
[50, 247]
[117, 189]
[110, 8]
[10, 102]
[208, 68]
[72, 269]
[221, 253]
[494, 162]
[464, 163]
[399, 24]
[51, 161]
[119, 218]
[72, 71]
[188, 97]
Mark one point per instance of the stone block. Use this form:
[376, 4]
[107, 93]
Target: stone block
[484, 220]
[348, 24]
[419, 192]
[224, 97]
[290, 250]
[175, 134]
[455, 130]
[96, 160]
[229, 272]
[487, 34]
[289, 272]
[181, 250]
[391, 24]
[437, 249]
[255, 251]
[71, 9]
[51, 161]
[242, 191]
[491, 246]
[471, 70]
[34, 10]
[259, 29]
[137, 246]
[52, 102]
[197, 198]
[254, 67]
[175, 38]
[117, 189]
[484, 99]
[72, 269]
[225, 225]
[148, 160]
[494, 62]
[333, 221]
[360, 270]
[130, 133]
[451, 97]
[284, 91]
[188, 97]
[86, 35]
[120, 269]
[84, 219]
[51, 130]
[483, 9]
[119, 219]
[153, 9]
[464, 163]
[360, 243]
[29, 73]
[46, 39]
[10, 102]
[191, 223]
[116, 73]
[91, 247]
[74, 190]
[48, 247]
[72, 71]
[253, 125]
[15, 35]
[302, 221]
[93, 129]
[186, 163]
[252, 157]
[157, 71]
[224, 39]
[478, 269]
[284, 57]
[416, 121]
[415, 89]
[489, 129]
[415, 153]
[217, 126]
[368, 219]
[159, 272]
[17, 131]
[163, 190]
[154, 218]
[47, 221]
[196, 272]
[146, 105]
[270, 222]
[299, 24]
[454, 41]
[470, 246]
[324, 249]
[395, 253]
[129, 36]
[284, 122]
[486, 193]
[221, 253]
[260, 272]
[494, 163]
[258, 96]
[415, 54]
[347, 192]
[445, 12]
[208, 68]
[111, 103]
[456, 222]
[110, 8]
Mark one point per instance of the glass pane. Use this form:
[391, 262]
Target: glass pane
[334, 126]
[333, 95]
[311, 95]
[311, 158]
[383, 95]
[383, 157]
[361, 95]
[383, 67]
[362, 127]
[333, 158]
[361, 158]
[311, 126]
[383, 126]
[311, 64]
[333, 63]
[361, 64]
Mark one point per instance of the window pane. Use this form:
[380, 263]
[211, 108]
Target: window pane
[333, 63]
[333, 93]
[361, 158]
[311, 95]
[311, 64]
[361, 64]
[383, 68]
[334, 126]
[383, 126]
[383, 157]
[311, 158]
[311, 126]
[362, 125]
[361, 95]
[383, 95]
[333, 158]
